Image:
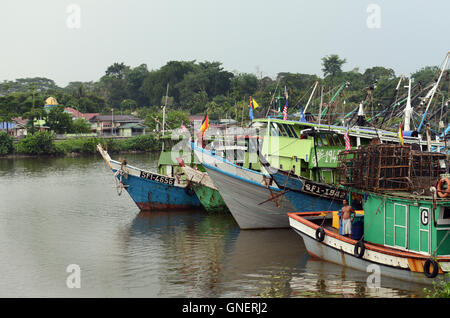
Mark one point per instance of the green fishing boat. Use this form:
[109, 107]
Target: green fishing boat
[204, 188]
[405, 229]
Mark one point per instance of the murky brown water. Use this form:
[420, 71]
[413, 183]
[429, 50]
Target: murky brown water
[62, 211]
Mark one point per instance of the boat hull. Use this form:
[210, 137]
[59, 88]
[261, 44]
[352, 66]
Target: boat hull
[403, 266]
[210, 198]
[306, 195]
[151, 195]
[249, 202]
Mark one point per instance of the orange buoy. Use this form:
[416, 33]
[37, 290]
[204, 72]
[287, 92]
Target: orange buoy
[443, 193]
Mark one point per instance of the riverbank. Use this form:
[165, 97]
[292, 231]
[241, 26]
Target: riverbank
[43, 144]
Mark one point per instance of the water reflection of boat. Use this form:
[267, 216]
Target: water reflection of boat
[151, 191]
[191, 248]
[325, 279]
[264, 262]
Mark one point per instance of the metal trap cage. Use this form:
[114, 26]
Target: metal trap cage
[390, 167]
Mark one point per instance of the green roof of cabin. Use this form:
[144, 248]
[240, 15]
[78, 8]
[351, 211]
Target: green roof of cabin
[166, 158]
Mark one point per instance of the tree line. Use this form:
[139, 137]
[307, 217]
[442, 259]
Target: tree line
[191, 87]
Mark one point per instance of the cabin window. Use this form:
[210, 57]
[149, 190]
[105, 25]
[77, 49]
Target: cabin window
[282, 129]
[290, 130]
[330, 140]
[338, 140]
[444, 215]
[274, 130]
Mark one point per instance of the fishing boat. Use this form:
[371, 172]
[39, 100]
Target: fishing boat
[248, 194]
[151, 191]
[406, 222]
[204, 188]
[303, 193]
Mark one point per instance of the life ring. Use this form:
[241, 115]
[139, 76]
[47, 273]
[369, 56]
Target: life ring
[441, 193]
[320, 234]
[427, 266]
[359, 250]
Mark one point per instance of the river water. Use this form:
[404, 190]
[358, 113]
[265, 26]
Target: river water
[55, 212]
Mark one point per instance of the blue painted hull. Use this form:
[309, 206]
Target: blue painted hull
[306, 195]
[304, 202]
[151, 195]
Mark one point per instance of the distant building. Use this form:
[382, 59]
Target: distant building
[131, 129]
[14, 129]
[50, 103]
[110, 124]
[76, 114]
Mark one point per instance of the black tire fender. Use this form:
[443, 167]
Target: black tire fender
[427, 266]
[360, 249]
[320, 234]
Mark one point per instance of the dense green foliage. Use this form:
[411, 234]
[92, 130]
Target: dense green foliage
[39, 143]
[196, 87]
[6, 144]
[43, 143]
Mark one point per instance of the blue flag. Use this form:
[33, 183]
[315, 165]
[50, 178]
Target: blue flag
[302, 115]
[250, 113]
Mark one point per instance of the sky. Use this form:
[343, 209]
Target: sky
[77, 40]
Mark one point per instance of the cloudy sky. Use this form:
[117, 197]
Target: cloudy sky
[77, 40]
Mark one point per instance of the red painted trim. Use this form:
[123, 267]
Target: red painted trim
[300, 217]
[147, 206]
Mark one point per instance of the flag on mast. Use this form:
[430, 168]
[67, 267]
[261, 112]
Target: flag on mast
[285, 105]
[205, 124]
[400, 134]
[348, 146]
[255, 104]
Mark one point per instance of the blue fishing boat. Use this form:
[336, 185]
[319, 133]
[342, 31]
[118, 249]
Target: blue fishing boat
[151, 191]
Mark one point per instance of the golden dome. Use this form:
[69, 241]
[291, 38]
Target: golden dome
[51, 101]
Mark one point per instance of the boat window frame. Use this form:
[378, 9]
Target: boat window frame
[330, 140]
[274, 130]
[324, 140]
[441, 220]
[281, 128]
[291, 132]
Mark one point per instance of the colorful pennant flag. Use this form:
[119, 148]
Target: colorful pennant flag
[285, 105]
[348, 146]
[302, 116]
[205, 124]
[400, 134]
[255, 104]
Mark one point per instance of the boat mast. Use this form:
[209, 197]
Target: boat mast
[408, 108]
[164, 110]
[321, 102]
[310, 97]
[433, 90]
